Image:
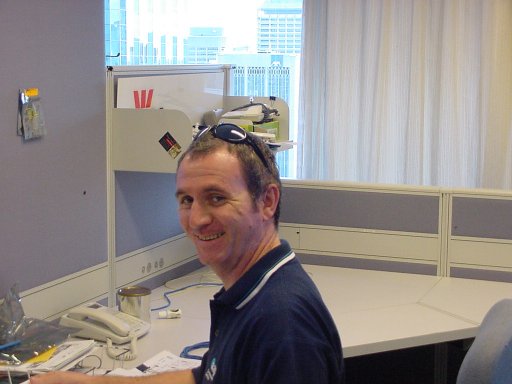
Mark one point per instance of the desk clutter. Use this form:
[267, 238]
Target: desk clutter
[83, 338]
[60, 356]
[24, 339]
[163, 361]
[257, 118]
[30, 346]
[87, 356]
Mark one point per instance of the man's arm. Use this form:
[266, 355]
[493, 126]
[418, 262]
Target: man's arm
[66, 377]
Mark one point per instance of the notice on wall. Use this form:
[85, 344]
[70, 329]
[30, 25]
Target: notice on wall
[192, 93]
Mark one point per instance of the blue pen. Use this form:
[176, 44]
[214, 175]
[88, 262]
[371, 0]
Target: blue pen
[10, 344]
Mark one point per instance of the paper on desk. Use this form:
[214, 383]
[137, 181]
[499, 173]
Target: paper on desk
[65, 353]
[163, 361]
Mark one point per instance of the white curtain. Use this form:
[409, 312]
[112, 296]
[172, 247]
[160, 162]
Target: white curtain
[407, 91]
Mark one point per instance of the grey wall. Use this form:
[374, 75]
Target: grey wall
[146, 210]
[52, 190]
[358, 209]
[479, 217]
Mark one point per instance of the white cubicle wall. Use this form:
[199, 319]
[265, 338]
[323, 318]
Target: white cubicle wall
[465, 233]
[395, 228]
[480, 237]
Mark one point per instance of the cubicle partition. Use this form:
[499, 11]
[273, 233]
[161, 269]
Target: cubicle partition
[371, 227]
[425, 230]
[480, 238]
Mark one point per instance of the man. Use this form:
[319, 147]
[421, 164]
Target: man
[268, 322]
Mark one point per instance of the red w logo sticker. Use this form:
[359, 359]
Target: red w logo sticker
[143, 100]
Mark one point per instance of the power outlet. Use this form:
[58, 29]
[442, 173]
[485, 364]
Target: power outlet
[154, 260]
[153, 266]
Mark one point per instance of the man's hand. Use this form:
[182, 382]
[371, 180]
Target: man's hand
[61, 377]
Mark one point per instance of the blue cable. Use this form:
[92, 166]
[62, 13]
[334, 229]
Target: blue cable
[205, 344]
[186, 351]
[9, 344]
[166, 294]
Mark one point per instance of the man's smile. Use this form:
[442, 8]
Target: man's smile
[210, 237]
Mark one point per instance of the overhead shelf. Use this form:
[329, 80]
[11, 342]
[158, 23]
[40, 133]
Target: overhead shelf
[136, 135]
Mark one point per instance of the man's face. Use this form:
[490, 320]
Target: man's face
[217, 211]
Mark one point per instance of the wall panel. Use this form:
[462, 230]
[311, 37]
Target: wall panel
[52, 190]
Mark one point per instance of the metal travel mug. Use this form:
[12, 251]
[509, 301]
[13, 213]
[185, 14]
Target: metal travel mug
[135, 300]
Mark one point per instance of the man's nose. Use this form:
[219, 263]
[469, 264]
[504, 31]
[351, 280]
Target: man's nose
[199, 215]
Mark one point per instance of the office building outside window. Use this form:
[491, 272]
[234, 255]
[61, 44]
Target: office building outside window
[262, 39]
[280, 27]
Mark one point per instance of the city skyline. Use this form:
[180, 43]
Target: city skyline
[157, 30]
[266, 61]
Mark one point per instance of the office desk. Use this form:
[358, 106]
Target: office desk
[379, 311]
[375, 311]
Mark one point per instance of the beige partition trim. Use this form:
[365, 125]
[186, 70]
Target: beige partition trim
[475, 252]
[355, 242]
[50, 300]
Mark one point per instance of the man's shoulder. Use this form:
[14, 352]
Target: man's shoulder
[288, 292]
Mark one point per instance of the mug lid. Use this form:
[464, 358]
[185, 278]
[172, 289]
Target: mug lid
[134, 290]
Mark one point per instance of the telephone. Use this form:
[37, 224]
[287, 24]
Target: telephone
[98, 322]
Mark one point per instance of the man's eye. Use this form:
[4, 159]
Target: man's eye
[185, 201]
[217, 199]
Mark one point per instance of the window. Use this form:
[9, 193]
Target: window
[252, 34]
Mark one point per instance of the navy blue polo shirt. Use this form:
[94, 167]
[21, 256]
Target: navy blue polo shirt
[272, 326]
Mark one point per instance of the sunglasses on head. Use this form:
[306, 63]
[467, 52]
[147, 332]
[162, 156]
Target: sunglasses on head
[233, 134]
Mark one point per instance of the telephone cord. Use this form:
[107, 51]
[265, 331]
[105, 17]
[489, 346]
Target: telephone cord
[126, 355]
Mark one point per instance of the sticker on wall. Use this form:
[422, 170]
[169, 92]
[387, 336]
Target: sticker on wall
[143, 98]
[170, 145]
[30, 114]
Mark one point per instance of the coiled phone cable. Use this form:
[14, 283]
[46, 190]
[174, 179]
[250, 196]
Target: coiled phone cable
[127, 355]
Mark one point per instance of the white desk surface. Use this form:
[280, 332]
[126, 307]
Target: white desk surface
[375, 311]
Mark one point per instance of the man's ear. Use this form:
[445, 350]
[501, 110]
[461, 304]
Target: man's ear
[270, 200]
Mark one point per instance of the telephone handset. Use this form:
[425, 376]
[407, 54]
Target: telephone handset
[98, 322]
